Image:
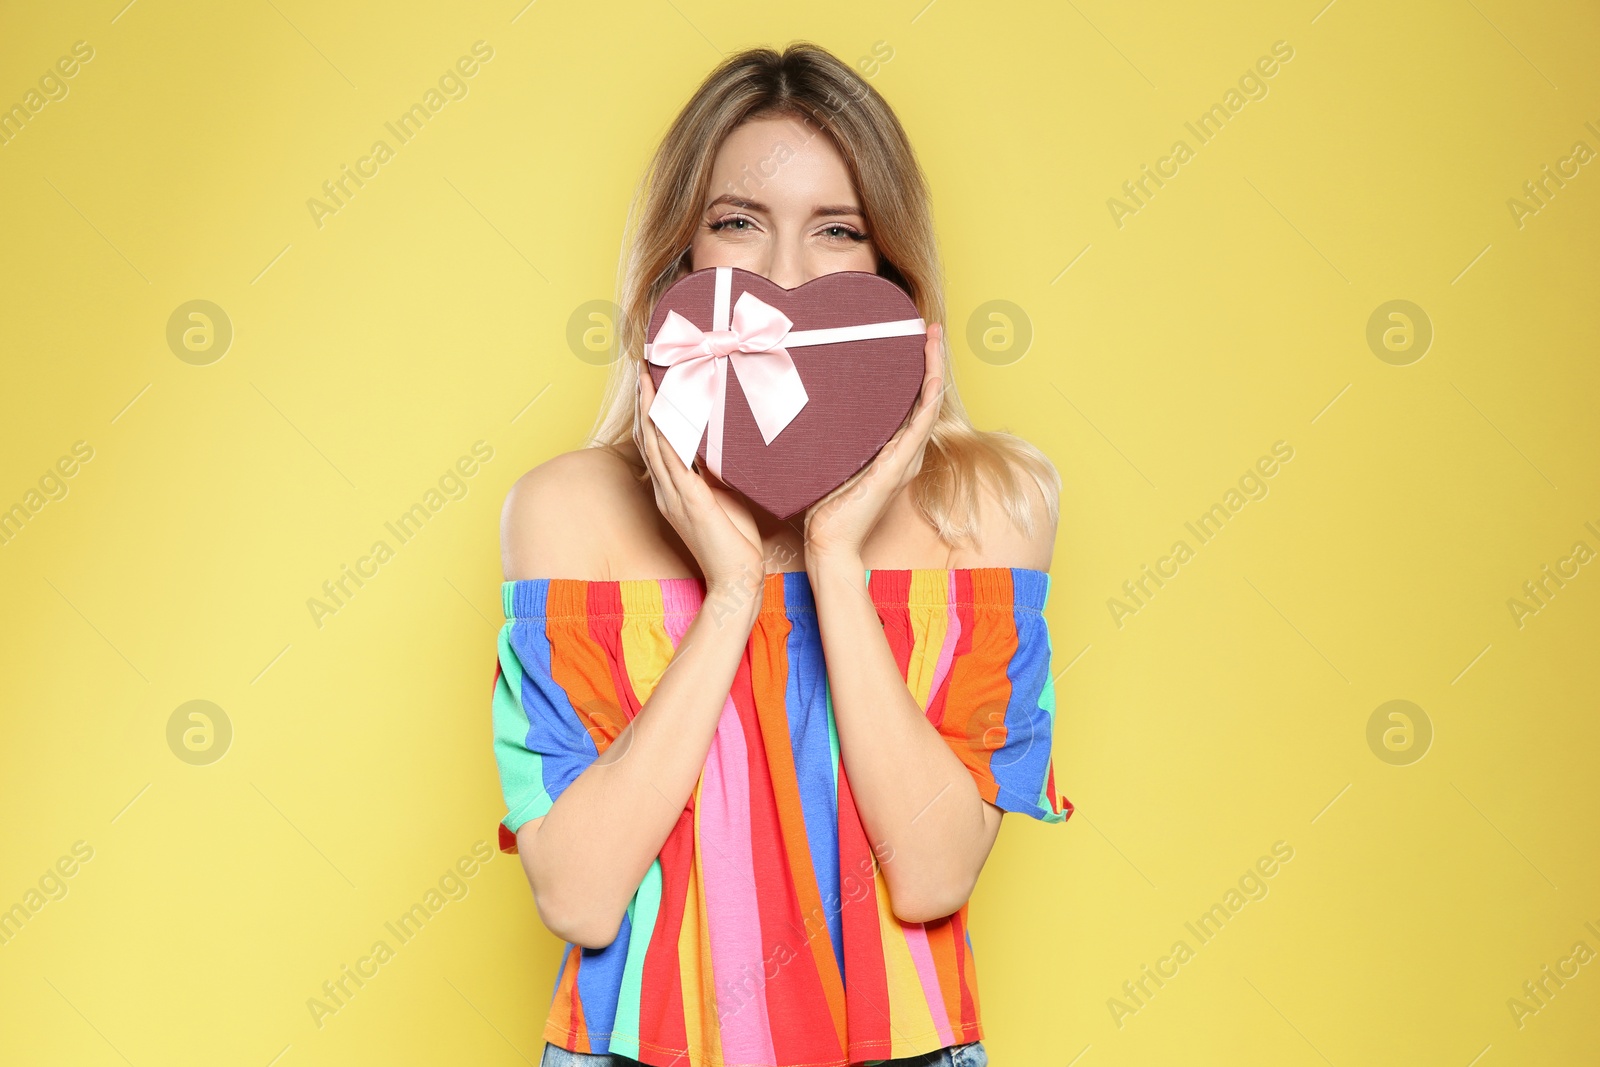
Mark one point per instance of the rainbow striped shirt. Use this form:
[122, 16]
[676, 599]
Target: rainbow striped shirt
[762, 933]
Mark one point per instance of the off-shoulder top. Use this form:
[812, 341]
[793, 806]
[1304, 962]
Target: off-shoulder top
[762, 933]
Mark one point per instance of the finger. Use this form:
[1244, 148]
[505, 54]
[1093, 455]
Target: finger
[922, 432]
[668, 494]
[929, 393]
[670, 460]
[933, 366]
[928, 411]
[688, 485]
[919, 421]
[901, 457]
[641, 409]
[638, 432]
[930, 399]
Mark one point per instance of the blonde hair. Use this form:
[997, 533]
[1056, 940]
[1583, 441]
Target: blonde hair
[808, 82]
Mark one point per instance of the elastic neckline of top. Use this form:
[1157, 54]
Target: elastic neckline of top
[783, 592]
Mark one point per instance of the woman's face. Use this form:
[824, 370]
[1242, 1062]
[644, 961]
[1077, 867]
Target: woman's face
[782, 205]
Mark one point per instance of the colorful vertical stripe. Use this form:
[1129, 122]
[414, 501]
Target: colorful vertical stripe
[762, 933]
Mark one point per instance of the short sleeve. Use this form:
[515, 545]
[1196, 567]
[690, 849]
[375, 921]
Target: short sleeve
[554, 709]
[980, 651]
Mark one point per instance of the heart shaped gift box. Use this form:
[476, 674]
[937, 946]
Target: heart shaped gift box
[822, 376]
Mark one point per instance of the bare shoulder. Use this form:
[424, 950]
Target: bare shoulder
[554, 516]
[1004, 543]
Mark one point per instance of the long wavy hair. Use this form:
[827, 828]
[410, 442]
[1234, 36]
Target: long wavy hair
[808, 82]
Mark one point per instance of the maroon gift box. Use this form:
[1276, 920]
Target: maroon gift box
[857, 391]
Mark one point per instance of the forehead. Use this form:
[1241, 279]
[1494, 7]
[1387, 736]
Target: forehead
[770, 159]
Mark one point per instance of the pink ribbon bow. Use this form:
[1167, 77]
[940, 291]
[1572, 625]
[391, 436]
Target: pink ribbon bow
[691, 400]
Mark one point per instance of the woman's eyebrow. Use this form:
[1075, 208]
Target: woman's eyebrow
[756, 205]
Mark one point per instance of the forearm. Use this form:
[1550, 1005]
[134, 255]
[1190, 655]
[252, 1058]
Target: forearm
[590, 852]
[918, 803]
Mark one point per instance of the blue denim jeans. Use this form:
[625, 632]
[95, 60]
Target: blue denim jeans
[968, 1055]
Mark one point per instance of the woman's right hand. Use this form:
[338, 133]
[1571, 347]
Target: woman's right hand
[714, 523]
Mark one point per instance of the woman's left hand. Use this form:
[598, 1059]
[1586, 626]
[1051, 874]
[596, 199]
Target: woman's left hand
[838, 524]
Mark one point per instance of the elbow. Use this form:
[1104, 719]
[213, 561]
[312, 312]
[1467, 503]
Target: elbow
[584, 925]
[931, 901]
[574, 917]
[925, 910]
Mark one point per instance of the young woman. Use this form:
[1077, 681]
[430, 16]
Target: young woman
[754, 767]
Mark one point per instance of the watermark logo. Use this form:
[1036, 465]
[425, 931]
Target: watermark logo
[199, 332]
[199, 733]
[999, 332]
[1399, 332]
[1399, 733]
[592, 332]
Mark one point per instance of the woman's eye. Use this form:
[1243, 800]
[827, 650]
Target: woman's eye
[741, 224]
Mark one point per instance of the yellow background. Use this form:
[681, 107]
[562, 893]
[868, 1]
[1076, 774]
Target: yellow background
[430, 312]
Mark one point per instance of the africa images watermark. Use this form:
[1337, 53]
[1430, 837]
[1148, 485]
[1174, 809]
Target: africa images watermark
[1252, 485]
[736, 991]
[1252, 85]
[452, 485]
[1251, 886]
[52, 487]
[53, 88]
[782, 152]
[339, 991]
[452, 85]
[52, 885]
[1541, 190]
[1541, 590]
[1538, 992]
